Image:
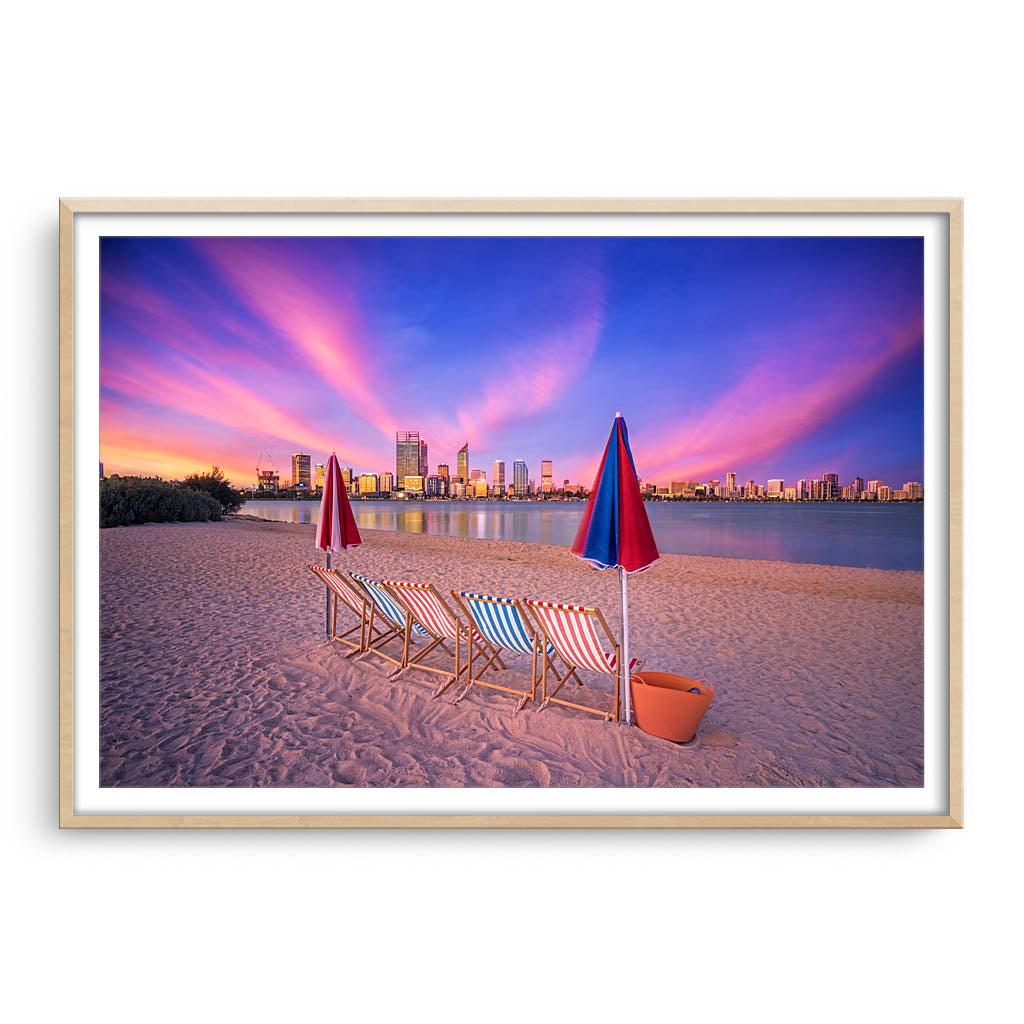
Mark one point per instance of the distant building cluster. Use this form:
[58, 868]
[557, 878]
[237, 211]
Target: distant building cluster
[825, 489]
[412, 479]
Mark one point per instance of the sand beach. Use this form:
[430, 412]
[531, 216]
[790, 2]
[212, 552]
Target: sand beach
[214, 670]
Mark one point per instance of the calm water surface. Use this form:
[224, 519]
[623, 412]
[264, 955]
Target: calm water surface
[888, 536]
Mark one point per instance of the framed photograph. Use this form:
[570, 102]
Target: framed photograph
[510, 513]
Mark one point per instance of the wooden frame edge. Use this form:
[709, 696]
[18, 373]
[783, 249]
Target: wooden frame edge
[514, 821]
[67, 510]
[70, 206]
[508, 205]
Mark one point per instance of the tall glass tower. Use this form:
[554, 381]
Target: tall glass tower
[520, 478]
[463, 463]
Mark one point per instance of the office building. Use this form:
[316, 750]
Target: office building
[477, 474]
[386, 482]
[442, 471]
[319, 476]
[424, 468]
[498, 475]
[545, 476]
[480, 488]
[368, 483]
[267, 480]
[407, 455]
[730, 485]
[433, 486]
[300, 470]
[520, 478]
[462, 463]
[413, 484]
[346, 478]
[775, 488]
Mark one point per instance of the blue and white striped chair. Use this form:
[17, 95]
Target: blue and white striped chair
[504, 624]
[391, 617]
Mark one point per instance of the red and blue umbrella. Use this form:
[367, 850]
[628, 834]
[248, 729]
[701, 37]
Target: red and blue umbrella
[615, 532]
[336, 527]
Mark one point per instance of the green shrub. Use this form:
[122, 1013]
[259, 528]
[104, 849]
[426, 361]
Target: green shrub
[215, 484]
[132, 499]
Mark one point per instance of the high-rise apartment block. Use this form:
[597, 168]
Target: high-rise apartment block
[545, 476]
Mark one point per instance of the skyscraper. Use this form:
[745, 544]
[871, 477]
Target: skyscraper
[407, 455]
[346, 478]
[520, 478]
[462, 463]
[423, 458]
[321, 475]
[300, 470]
[730, 485]
[386, 483]
[498, 475]
[545, 476]
[775, 488]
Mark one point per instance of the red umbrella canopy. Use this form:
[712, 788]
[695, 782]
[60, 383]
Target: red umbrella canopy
[615, 531]
[336, 528]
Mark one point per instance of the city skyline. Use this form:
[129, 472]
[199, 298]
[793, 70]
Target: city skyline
[758, 357]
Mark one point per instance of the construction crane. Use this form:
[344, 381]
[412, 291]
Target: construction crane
[259, 466]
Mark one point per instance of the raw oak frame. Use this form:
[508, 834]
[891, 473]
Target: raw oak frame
[950, 207]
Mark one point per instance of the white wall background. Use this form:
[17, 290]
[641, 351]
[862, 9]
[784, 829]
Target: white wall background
[511, 99]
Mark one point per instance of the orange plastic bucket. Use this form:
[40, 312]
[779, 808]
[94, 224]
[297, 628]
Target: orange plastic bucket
[669, 706]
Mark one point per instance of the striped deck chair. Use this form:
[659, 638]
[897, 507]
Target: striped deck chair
[575, 633]
[427, 607]
[394, 623]
[505, 626]
[340, 588]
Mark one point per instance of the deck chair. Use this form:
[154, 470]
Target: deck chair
[427, 607]
[391, 619]
[505, 626]
[340, 588]
[578, 635]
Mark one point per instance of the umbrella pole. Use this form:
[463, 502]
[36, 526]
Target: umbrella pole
[627, 704]
[327, 618]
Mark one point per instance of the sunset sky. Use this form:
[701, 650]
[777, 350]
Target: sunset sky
[768, 357]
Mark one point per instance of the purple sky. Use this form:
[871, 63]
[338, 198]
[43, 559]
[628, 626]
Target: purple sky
[769, 357]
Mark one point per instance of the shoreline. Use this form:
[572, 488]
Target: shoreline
[214, 672]
[311, 527]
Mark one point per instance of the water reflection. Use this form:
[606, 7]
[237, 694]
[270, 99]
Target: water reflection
[887, 536]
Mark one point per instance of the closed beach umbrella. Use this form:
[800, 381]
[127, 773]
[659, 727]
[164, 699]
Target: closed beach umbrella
[615, 532]
[336, 527]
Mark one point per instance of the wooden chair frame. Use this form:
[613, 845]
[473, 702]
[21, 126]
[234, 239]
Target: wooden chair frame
[388, 633]
[550, 698]
[526, 695]
[364, 626]
[437, 640]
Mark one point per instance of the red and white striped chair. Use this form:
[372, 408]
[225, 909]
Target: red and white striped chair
[339, 587]
[577, 634]
[427, 608]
